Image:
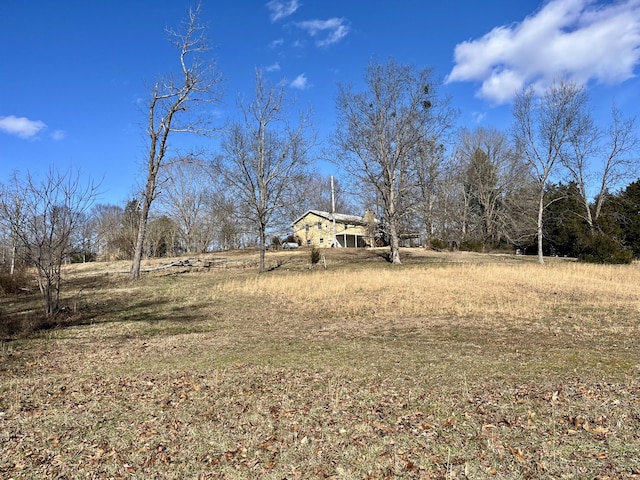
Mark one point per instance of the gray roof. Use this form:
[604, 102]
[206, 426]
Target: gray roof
[339, 217]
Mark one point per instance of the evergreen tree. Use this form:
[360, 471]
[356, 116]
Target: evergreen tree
[564, 228]
[627, 211]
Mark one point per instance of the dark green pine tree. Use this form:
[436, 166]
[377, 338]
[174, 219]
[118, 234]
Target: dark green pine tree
[564, 228]
[606, 243]
[627, 206]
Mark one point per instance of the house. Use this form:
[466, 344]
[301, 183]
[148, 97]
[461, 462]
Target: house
[325, 230]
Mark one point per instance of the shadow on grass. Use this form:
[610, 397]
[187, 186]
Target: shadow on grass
[83, 303]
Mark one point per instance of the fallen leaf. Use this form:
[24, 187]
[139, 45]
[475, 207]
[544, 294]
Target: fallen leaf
[518, 454]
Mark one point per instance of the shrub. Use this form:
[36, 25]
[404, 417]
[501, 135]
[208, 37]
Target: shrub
[11, 327]
[83, 257]
[601, 248]
[12, 284]
[472, 246]
[438, 244]
[315, 255]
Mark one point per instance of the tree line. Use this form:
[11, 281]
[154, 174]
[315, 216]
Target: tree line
[557, 183]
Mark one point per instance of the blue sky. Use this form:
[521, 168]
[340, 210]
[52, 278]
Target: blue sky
[75, 72]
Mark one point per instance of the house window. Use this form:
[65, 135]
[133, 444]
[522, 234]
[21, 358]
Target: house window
[306, 228]
[308, 242]
[322, 240]
[319, 225]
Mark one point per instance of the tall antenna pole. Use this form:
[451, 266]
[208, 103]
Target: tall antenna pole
[333, 197]
[333, 211]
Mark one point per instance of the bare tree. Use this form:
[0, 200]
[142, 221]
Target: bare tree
[450, 210]
[229, 224]
[621, 160]
[262, 157]
[12, 215]
[613, 146]
[313, 192]
[492, 176]
[186, 192]
[173, 108]
[379, 129]
[162, 237]
[542, 128]
[83, 240]
[583, 146]
[430, 165]
[44, 215]
[106, 229]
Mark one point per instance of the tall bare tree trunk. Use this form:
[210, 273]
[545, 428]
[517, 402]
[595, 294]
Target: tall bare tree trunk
[542, 128]
[540, 225]
[140, 238]
[263, 242]
[394, 253]
[392, 223]
[169, 108]
[264, 157]
[14, 251]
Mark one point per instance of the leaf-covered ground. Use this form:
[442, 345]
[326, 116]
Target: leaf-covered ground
[259, 422]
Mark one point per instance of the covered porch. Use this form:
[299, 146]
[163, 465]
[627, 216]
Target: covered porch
[347, 240]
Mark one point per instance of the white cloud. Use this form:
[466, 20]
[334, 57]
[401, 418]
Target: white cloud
[21, 126]
[281, 9]
[217, 113]
[272, 68]
[276, 43]
[479, 117]
[577, 40]
[331, 31]
[301, 82]
[59, 135]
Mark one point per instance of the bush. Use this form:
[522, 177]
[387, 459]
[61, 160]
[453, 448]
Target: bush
[12, 284]
[11, 327]
[472, 246]
[83, 257]
[600, 248]
[438, 244]
[315, 255]
[14, 326]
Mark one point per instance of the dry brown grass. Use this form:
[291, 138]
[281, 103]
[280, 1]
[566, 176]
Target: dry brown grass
[450, 366]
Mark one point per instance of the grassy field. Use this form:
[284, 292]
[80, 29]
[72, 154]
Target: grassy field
[450, 366]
